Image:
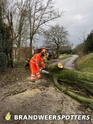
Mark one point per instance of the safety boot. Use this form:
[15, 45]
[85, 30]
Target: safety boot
[32, 80]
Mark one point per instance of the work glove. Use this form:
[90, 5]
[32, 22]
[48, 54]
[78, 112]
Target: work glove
[44, 68]
[40, 68]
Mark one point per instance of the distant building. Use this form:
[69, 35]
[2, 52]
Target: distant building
[24, 52]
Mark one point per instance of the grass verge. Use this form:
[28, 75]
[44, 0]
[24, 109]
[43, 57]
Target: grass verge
[65, 56]
[85, 64]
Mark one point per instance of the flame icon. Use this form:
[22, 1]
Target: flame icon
[8, 116]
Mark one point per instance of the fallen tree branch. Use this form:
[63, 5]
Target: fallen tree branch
[73, 78]
[80, 79]
[72, 94]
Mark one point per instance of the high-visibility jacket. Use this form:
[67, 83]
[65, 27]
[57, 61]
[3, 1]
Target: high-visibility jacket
[37, 58]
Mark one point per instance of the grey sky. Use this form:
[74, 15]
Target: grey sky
[77, 18]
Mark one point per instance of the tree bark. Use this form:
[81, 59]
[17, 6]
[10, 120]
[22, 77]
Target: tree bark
[66, 80]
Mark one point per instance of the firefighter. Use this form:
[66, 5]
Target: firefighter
[34, 65]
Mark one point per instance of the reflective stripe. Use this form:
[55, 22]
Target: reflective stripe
[32, 77]
[42, 62]
[38, 75]
[34, 58]
[32, 62]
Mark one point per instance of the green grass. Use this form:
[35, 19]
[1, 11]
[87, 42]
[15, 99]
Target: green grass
[65, 56]
[85, 63]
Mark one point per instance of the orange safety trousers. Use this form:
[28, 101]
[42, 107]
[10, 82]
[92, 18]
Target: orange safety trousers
[34, 72]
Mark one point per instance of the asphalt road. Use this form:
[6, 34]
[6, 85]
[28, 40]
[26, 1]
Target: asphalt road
[68, 63]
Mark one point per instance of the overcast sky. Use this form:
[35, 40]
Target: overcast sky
[77, 18]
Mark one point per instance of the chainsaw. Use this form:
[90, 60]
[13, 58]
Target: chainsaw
[44, 71]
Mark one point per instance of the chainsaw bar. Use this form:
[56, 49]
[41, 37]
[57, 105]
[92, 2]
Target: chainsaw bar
[44, 71]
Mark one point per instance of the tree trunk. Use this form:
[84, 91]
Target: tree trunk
[30, 53]
[11, 58]
[72, 81]
[10, 41]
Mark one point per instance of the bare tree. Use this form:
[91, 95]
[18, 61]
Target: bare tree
[31, 16]
[8, 33]
[39, 12]
[19, 25]
[82, 36]
[56, 36]
[14, 26]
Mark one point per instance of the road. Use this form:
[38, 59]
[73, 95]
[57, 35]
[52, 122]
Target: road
[68, 63]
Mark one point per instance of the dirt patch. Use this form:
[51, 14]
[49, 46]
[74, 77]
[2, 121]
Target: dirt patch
[40, 98]
[12, 75]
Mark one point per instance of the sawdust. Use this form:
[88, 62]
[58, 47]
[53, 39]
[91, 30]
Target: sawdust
[22, 97]
[39, 98]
